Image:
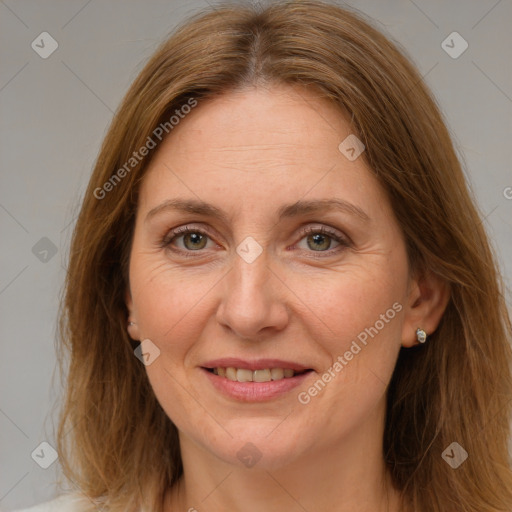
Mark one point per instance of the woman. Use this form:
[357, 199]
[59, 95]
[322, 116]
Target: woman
[280, 294]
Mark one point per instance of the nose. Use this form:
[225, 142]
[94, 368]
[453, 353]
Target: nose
[253, 301]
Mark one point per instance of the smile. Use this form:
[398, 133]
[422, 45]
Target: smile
[247, 375]
[250, 385]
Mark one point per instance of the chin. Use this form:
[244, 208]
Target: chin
[257, 448]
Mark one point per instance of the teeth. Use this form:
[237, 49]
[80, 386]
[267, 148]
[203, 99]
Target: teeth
[261, 376]
[231, 373]
[245, 375]
[277, 373]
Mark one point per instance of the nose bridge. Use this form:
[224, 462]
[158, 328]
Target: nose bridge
[250, 300]
[250, 271]
[248, 283]
[257, 270]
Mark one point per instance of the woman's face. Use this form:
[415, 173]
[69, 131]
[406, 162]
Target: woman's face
[292, 260]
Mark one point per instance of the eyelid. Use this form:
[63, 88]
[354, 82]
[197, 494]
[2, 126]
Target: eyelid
[325, 230]
[183, 230]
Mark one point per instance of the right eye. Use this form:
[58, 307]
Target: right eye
[191, 239]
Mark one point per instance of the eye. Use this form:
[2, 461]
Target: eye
[192, 239]
[321, 239]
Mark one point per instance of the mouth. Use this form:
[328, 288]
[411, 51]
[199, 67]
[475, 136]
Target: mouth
[261, 375]
[254, 381]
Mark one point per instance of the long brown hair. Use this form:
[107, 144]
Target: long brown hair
[115, 442]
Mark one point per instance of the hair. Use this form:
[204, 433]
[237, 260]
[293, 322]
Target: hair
[116, 444]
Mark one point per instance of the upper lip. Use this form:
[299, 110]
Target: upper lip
[254, 364]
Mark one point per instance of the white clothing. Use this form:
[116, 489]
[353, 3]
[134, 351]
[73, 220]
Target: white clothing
[63, 503]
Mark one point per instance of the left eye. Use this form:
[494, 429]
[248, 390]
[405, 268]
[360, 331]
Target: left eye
[320, 241]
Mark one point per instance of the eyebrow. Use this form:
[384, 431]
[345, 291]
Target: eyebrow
[287, 211]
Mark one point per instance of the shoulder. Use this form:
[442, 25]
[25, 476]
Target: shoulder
[63, 503]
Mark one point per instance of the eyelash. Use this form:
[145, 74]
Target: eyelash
[176, 233]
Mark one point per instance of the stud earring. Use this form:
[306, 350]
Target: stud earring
[421, 335]
[130, 324]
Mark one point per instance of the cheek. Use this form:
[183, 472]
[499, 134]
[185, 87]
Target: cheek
[359, 326]
[168, 304]
[166, 297]
[352, 302]
[358, 314]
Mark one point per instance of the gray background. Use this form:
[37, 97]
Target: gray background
[55, 111]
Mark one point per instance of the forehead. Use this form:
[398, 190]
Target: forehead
[281, 121]
[259, 145]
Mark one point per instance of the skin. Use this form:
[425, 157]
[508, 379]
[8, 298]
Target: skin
[249, 153]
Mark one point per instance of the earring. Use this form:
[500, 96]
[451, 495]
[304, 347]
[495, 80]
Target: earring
[130, 324]
[421, 335]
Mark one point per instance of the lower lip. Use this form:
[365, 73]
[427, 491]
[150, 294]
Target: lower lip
[255, 391]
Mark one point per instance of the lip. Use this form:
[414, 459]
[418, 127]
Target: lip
[256, 364]
[255, 391]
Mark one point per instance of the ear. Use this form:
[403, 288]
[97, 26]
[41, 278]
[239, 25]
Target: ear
[132, 325]
[426, 304]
